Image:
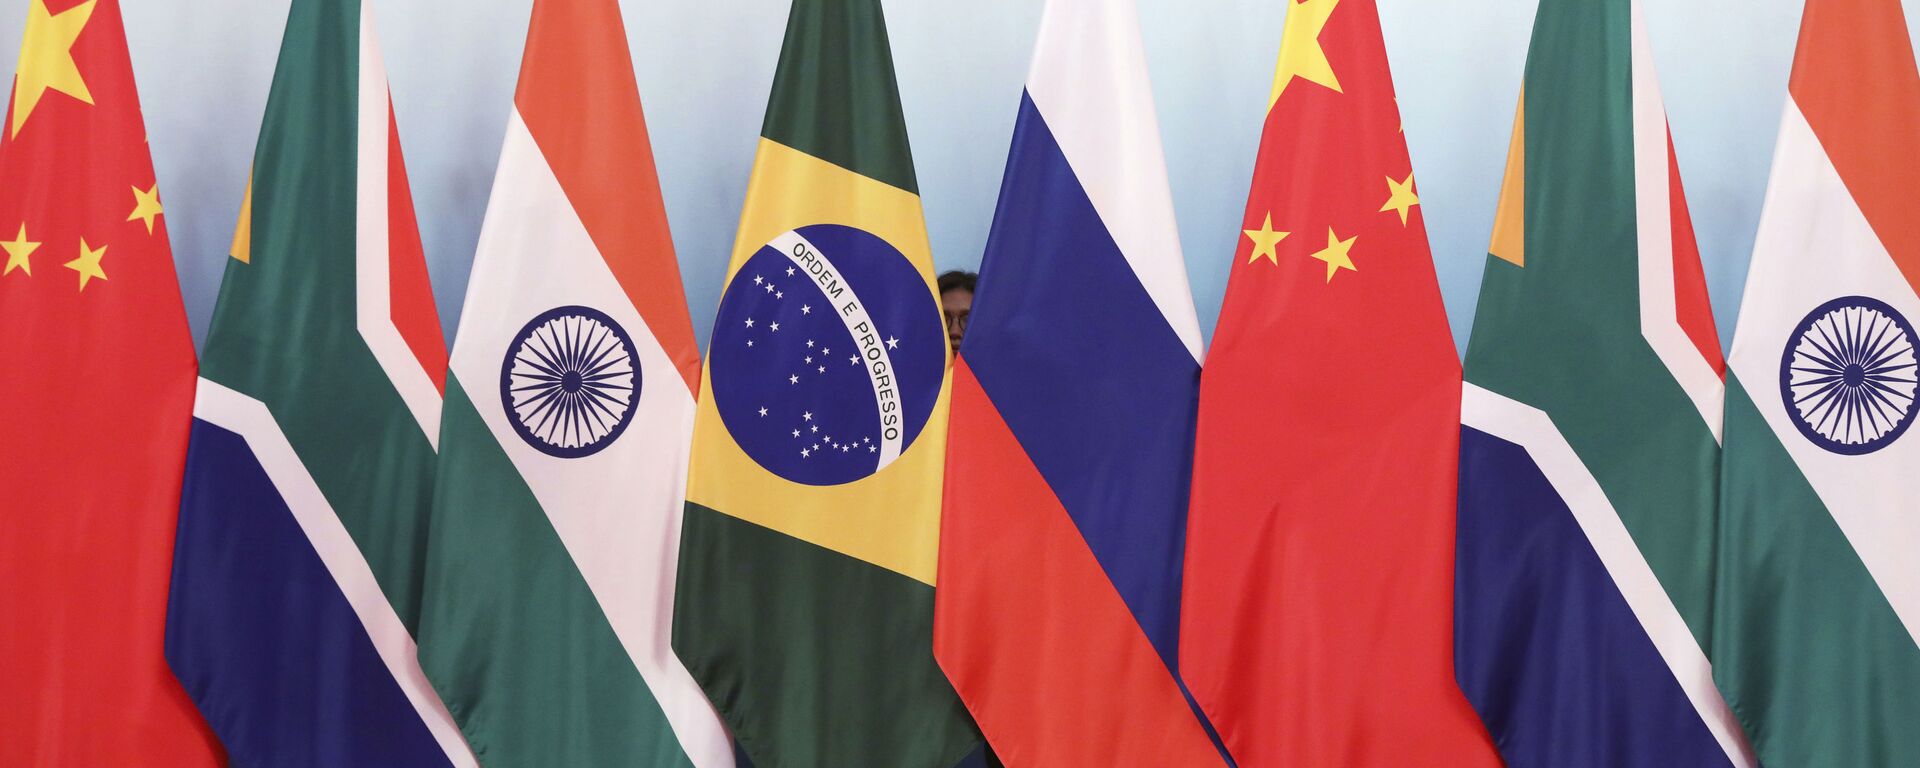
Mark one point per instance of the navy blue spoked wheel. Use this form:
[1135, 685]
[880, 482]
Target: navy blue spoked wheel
[569, 381]
[1847, 375]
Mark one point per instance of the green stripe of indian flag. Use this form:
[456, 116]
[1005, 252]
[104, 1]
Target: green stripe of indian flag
[550, 639]
[1820, 596]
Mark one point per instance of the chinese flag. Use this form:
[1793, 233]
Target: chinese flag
[96, 374]
[1317, 622]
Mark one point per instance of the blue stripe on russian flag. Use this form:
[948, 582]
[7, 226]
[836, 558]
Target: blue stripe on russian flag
[1089, 375]
[262, 637]
[1546, 647]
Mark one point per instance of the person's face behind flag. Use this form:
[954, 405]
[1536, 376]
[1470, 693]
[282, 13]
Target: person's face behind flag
[956, 304]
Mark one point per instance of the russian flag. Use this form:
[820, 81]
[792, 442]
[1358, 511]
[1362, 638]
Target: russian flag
[1075, 394]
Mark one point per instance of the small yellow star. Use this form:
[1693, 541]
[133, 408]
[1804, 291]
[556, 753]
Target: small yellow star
[1264, 239]
[88, 265]
[18, 251]
[146, 206]
[1335, 254]
[1400, 197]
[1300, 52]
[46, 59]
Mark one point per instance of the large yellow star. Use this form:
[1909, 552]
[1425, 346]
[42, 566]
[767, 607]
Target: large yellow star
[146, 206]
[1300, 52]
[88, 265]
[46, 59]
[18, 251]
[1400, 197]
[1264, 239]
[1335, 254]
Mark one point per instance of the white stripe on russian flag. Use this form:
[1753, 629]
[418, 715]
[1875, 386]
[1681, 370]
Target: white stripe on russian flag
[1089, 80]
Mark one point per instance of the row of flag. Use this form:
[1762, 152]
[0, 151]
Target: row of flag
[572, 542]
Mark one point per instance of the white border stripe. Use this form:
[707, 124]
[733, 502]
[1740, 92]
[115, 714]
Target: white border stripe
[1532, 429]
[249, 418]
[1659, 314]
[372, 259]
[1089, 80]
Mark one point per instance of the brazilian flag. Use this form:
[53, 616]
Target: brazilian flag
[805, 595]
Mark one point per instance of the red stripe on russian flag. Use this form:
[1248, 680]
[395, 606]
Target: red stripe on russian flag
[1032, 633]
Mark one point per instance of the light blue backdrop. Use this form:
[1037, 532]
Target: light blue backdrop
[704, 68]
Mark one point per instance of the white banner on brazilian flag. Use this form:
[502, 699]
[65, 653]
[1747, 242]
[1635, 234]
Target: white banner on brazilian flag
[556, 520]
[1818, 597]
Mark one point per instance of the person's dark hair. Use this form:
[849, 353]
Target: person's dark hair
[958, 279]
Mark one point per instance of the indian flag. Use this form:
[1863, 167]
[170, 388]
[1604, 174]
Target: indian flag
[1818, 609]
[556, 517]
[813, 508]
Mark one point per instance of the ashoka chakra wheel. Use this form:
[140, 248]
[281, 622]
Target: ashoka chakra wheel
[1847, 375]
[569, 381]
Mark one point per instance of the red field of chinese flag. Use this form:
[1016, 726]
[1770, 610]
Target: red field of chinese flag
[96, 377]
[1317, 622]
